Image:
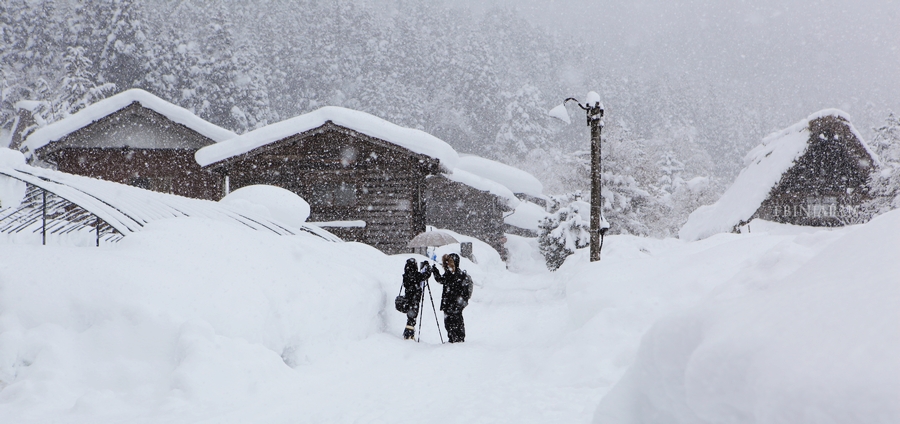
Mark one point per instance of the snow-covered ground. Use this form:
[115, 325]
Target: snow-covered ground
[200, 321]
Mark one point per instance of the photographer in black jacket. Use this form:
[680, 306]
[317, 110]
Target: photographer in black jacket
[454, 296]
[413, 281]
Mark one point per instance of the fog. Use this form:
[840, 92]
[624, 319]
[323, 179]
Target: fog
[795, 57]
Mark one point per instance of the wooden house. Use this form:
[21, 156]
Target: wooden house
[364, 178]
[133, 138]
[813, 173]
[470, 205]
[523, 219]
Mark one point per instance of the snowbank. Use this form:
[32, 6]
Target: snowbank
[270, 201]
[764, 166]
[107, 106]
[187, 312]
[193, 320]
[513, 178]
[414, 140]
[820, 345]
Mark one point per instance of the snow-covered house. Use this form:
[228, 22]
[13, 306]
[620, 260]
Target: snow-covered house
[469, 204]
[133, 138]
[523, 219]
[363, 176]
[812, 173]
[524, 185]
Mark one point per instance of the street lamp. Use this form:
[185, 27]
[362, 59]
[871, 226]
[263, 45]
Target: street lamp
[594, 111]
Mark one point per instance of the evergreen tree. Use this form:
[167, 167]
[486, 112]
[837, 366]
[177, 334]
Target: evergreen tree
[79, 89]
[885, 183]
[565, 230]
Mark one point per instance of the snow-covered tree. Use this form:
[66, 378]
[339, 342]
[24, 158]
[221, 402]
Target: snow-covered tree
[79, 88]
[565, 230]
[884, 185]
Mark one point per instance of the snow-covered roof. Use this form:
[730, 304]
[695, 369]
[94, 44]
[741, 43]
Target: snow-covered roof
[513, 178]
[527, 215]
[112, 104]
[483, 184]
[128, 209]
[764, 167]
[373, 126]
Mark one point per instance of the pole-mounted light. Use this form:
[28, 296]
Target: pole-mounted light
[593, 108]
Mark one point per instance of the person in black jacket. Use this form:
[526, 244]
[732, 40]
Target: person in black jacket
[453, 297]
[413, 282]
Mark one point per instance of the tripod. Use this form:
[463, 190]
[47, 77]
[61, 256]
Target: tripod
[420, 315]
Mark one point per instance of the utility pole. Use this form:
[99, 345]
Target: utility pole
[594, 117]
[594, 110]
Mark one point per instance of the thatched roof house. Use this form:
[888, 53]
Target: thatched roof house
[813, 173]
[133, 138]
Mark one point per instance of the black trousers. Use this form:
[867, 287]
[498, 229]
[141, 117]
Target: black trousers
[410, 330]
[456, 327]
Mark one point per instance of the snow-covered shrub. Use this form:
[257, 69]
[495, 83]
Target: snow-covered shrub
[564, 231]
[884, 184]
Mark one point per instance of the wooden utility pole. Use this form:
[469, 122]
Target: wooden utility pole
[594, 117]
[594, 109]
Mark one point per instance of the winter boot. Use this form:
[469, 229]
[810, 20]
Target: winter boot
[409, 333]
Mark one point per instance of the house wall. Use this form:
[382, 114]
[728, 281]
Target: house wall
[465, 210]
[164, 170]
[346, 176]
[827, 185]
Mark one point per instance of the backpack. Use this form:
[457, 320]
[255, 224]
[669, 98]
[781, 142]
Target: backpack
[468, 285]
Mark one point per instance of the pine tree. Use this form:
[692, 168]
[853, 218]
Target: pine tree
[565, 230]
[79, 89]
[884, 184]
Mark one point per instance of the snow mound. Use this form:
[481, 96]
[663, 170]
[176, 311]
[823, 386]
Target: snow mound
[414, 140]
[10, 158]
[820, 345]
[513, 178]
[527, 215]
[109, 105]
[275, 202]
[764, 166]
[188, 316]
[12, 191]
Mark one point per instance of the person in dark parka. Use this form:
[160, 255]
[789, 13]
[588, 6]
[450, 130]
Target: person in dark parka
[413, 283]
[453, 297]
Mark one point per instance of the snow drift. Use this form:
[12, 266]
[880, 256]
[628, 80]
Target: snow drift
[820, 345]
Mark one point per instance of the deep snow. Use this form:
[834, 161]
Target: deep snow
[193, 320]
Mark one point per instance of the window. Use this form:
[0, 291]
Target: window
[330, 194]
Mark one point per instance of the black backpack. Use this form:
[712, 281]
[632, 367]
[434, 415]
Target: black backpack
[468, 285]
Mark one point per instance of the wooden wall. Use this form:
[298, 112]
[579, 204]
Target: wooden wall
[466, 210]
[345, 176]
[164, 170]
